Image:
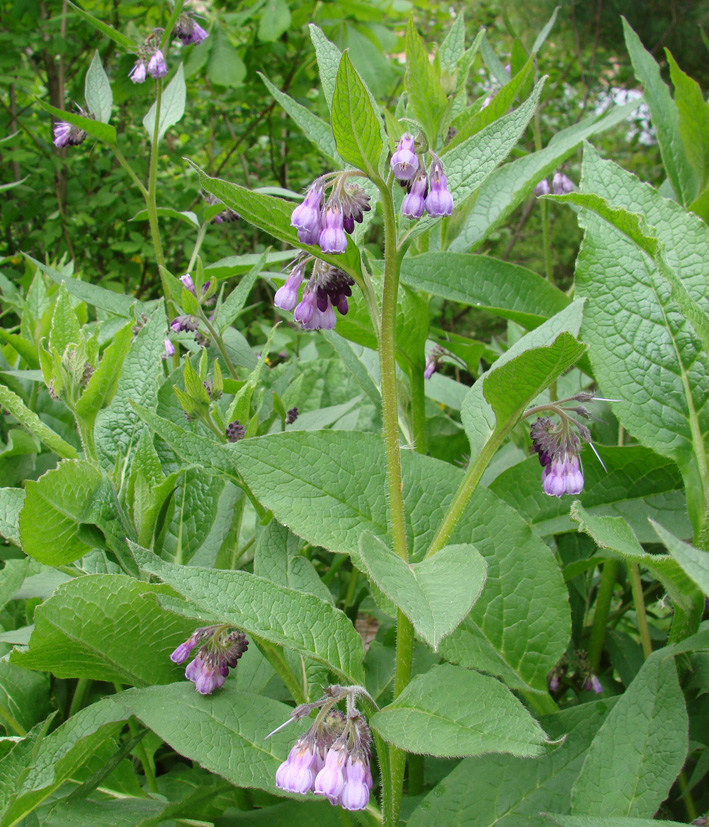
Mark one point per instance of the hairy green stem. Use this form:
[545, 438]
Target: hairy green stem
[151, 199]
[197, 245]
[418, 409]
[274, 655]
[145, 759]
[80, 692]
[219, 342]
[600, 618]
[639, 603]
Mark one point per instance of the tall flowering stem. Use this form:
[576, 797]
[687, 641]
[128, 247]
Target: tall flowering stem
[151, 199]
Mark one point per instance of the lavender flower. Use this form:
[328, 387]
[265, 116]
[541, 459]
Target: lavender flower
[358, 783]
[557, 448]
[331, 778]
[138, 73]
[188, 283]
[332, 237]
[561, 184]
[65, 134]
[414, 201]
[562, 476]
[287, 296]
[221, 651]
[188, 30]
[169, 349]
[542, 188]
[433, 362]
[404, 162]
[438, 201]
[157, 68]
[593, 685]
[306, 217]
[181, 324]
[295, 775]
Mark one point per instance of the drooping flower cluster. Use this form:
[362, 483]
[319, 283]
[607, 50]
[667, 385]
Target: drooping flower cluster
[326, 223]
[220, 649]
[188, 30]
[557, 447]
[433, 362]
[560, 185]
[333, 757]
[66, 134]
[424, 191]
[326, 289]
[151, 60]
[574, 669]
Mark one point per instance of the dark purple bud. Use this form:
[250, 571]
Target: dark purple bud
[404, 162]
[291, 415]
[439, 201]
[206, 286]
[235, 431]
[348, 224]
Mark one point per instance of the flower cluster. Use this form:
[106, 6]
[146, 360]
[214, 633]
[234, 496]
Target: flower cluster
[557, 448]
[427, 192]
[220, 649]
[326, 223]
[333, 757]
[151, 60]
[433, 362]
[560, 185]
[188, 30]
[326, 289]
[235, 431]
[66, 134]
[577, 667]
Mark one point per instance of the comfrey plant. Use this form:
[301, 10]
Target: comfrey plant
[173, 490]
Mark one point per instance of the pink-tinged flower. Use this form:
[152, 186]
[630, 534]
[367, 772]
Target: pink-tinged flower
[188, 284]
[331, 778]
[220, 652]
[199, 34]
[296, 774]
[181, 324]
[287, 296]
[404, 162]
[206, 674]
[138, 73]
[414, 201]
[184, 650]
[306, 217]
[438, 201]
[332, 237]
[355, 793]
[303, 313]
[169, 349]
[157, 68]
[542, 188]
[593, 685]
[562, 476]
[65, 134]
[562, 184]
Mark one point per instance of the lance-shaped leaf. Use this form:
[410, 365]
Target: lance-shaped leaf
[97, 89]
[106, 627]
[302, 622]
[435, 594]
[14, 404]
[486, 283]
[506, 791]
[103, 131]
[423, 86]
[104, 380]
[434, 716]
[224, 732]
[358, 129]
[328, 57]
[124, 42]
[172, 106]
[693, 561]
[640, 749]
[615, 535]
[693, 113]
[509, 186]
[497, 400]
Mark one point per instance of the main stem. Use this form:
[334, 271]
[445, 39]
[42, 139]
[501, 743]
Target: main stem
[151, 199]
[394, 785]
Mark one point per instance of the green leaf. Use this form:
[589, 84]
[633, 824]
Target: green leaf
[604, 821]
[434, 716]
[314, 129]
[451, 49]
[355, 366]
[11, 502]
[665, 118]
[505, 791]
[509, 186]
[225, 68]
[117, 430]
[615, 535]
[224, 732]
[172, 106]
[635, 484]
[501, 395]
[28, 777]
[345, 476]
[275, 20]
[356, 124]
[693, 561]
[640, 749]
[24, 698]
[693, 120]
[53, 510]
[124, 42]
[97, 89]
[301, 622]
[631, 319]
[106, 627]
[103, 131]
[12, 402]
[65, 328]
[104, 381]
[423, 87]
[435, 594]
[506, 289]
[328, 57]
[236, 300]
[187, 216]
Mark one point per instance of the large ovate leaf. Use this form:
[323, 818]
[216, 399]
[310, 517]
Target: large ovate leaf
[53, 511]
[172, 106]
[640, 749]
[506, 289]
[106, 627]
[434, 716]
[435, 594]
[506, 791]
[497, 400]
[97, 89]
[604, 821]
[693, 561]
[302, 622]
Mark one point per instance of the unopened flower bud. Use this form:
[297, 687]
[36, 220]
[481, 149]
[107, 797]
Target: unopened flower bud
[235, 431]
[188, 284]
